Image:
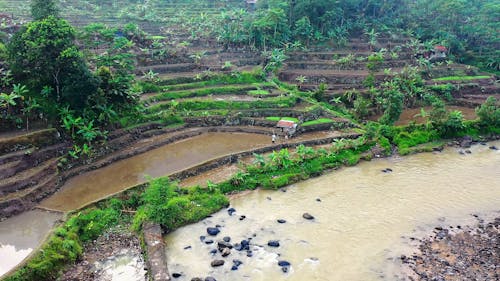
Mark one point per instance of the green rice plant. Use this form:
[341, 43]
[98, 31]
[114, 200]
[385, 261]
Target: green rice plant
[461, 78]
[317, 121]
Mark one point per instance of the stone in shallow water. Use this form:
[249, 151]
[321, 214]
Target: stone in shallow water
[226, 252]
[273, 243]
[281, 221]
[213, 231]
[307, 216]
[226, 239]
[230, 211]
[284, 263]
[216, 263]
[176, 275]
[210, 278]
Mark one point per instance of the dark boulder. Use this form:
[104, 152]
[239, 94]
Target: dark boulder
[466, 142]
[226, 239]
[307, 216]
[223, 244]
[216, 263]
[273, 243]
[281, 221]
[226, 252]
[209, 278]
[176, 275]
[230, 211]
[213, 231]
[284, 263]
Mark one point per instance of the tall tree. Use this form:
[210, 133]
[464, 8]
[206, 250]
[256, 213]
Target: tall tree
[43, 54]
[41, 9]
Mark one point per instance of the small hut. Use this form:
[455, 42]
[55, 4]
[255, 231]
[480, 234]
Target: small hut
[251, 4]
[439, 53]
[287, 127]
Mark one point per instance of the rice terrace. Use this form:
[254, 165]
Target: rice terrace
[231, 140]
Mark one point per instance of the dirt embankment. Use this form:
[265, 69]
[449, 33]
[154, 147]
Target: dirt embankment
[458, 253]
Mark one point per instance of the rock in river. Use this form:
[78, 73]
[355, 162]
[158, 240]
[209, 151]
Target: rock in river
[307, 216]
[281, 221]
[216, 263]
[223, 244]
[225, 252]
[283, 263]
[213, 231]
[273, 243]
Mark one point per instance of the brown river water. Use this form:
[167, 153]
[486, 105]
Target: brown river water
[363, 219]
[165, 160]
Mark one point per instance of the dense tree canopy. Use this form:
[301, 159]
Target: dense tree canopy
[41, 9]
[44, 57]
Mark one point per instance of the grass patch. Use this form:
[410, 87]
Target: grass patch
[258, 92]
[461, 78]
[317, 121]
[276, 119]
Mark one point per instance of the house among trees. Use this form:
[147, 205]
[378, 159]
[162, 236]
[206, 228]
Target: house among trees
[251, 4]
[439, 53]
[287, 127]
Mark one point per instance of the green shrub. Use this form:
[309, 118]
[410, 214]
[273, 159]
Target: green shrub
[405, 140]
[167, 204]
[148, 87]
[489, 113]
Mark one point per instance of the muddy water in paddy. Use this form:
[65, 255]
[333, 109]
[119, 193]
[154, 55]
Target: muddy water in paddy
[361, 225]
[19, 235]
[162, 161]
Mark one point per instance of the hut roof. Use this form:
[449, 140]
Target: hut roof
[285, 124]
[440, 48]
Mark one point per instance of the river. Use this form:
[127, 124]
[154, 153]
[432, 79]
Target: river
[363, 219]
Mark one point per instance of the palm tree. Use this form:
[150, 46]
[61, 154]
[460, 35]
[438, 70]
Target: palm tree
[301, 79]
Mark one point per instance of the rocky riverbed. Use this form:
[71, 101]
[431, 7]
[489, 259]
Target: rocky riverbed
[458, 253]
[115, 255]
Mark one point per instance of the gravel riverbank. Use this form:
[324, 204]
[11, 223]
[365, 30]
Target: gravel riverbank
[459, 253]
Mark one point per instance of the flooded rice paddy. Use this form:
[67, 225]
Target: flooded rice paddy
[168, 159]
[363, 218]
